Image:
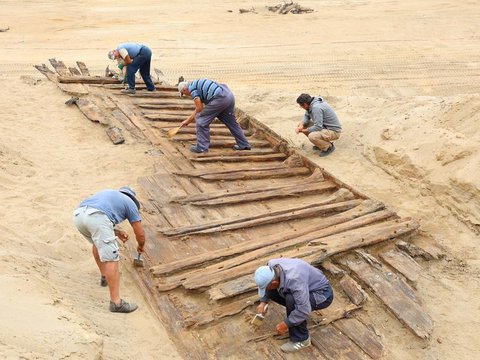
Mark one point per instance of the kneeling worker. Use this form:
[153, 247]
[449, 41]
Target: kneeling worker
[298, 286]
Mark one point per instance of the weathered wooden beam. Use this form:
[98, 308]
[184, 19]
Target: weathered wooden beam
[89, 109]
[367, 206]
[125, 121]
[222, 170]
[353, 290]
[315, 177]
[356, 238]
[115, 134]
[333, 345]
[259, 174]
[395, 294]
[251, 158]
[403, 263]
[155, 94]
[363, 336]
[74, 71]
[232, 288]
[220, 312]
[67, 79]
[294, 191]
[270, 216]
[166, 106]
[59, 67]
[83, 68]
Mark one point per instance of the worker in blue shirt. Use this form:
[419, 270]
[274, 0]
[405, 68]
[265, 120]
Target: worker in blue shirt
[212, 100]
[96, 218]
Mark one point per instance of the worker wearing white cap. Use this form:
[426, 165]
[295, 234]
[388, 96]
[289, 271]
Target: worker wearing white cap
[298, 286]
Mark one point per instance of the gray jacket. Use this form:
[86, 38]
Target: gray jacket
[322, 115]
[298, 278]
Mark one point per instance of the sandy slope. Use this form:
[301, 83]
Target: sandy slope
[403, 77]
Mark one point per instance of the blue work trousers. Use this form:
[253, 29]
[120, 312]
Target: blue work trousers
[319, 299]
[141, 62]
[222, 107]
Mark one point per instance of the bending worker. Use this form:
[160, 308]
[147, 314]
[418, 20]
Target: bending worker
[212, 100]
[298, 286]
[135, 57]
[95, 218]
[320, 123]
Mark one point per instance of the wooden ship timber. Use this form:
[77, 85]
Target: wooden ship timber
[211, 219]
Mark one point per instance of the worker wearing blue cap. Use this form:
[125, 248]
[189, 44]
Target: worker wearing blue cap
[96, 218]
[298, 286]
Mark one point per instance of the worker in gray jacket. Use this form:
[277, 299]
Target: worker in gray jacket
[320, 123]
[298, 286]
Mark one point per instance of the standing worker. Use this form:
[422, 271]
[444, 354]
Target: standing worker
[135, 57]
[326, 127]
[298, 286]
[212, 100]
[96, 218]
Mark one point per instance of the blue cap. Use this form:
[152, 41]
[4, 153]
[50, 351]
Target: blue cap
[131, 194]
[263, 277]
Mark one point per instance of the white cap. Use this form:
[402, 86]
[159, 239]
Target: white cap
[263, 277]
[182, 86]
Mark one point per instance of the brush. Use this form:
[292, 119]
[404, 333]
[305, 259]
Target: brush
[138, 261]
[258, 318]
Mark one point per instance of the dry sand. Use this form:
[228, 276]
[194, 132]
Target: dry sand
[403, 76]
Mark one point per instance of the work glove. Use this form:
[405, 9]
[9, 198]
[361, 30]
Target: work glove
[120, 66]
[282, 328]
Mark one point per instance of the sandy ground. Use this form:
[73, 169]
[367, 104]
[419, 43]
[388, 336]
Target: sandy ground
[403, 77]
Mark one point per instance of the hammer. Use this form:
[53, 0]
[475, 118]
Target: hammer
[138, 261]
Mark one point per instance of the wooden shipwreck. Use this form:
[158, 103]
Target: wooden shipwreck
[213, 218]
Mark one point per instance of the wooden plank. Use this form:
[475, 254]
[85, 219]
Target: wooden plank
[403, 263]
[74, 71]
[365, 338]
[68, 79]
[83, 68]
[72, 89]
[166, 106]
[353, 290]
[232, 288]
[90, 110]
[334, 346]
[115, 134]
[210, 170]
[356, 238]
[249, 158]
[158, 87]
[220, 194]
[391, 290]
[259, 174]
[164, 117]
[59, 67]
[125, 121]
[291, 191]
[366, 207]
[265, 217]
[220, 312]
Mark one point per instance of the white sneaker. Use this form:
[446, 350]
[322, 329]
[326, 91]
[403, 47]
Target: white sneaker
[291, 346]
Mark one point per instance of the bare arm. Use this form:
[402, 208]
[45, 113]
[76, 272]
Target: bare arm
[199, 106]
[139, 235]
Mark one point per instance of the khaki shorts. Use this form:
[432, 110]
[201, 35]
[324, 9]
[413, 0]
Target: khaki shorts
[97, 228]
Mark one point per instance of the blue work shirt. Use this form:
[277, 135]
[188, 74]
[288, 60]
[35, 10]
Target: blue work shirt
[204, 89]
[116, 205]
[133, 49]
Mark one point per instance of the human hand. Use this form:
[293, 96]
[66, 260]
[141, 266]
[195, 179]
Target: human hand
[262, 308]
[282, 328]
[122, 235]
[140, 249]
[184, 123]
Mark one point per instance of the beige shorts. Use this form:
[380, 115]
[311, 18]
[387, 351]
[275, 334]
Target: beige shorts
[97, 228]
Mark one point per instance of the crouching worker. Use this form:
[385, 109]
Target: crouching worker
[298, 286]
[320, 123]
[95, 218]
